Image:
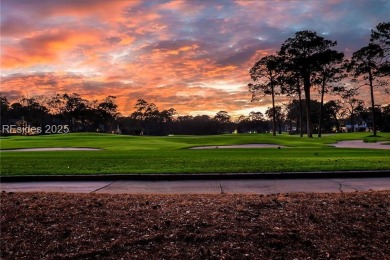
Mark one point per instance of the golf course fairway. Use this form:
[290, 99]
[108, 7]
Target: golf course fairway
[122, 154]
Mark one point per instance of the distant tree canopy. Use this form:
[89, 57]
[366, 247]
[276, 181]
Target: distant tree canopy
[267, 74]
[61, 109]
[308, 61]
[82, 115]
[309, 54]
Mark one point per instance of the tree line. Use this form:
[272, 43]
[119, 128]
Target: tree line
[82, 115]
[78, 113]
[304, 62]
[308, 61]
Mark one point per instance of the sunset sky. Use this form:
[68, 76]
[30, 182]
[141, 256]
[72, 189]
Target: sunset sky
[191, 55]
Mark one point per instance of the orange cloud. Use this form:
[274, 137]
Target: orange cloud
[184, 7]
[177, 51]
[108, 10]
[220, 71]
[45, 47]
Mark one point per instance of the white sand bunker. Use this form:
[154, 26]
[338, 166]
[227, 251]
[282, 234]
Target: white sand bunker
[50, 149]
[238, 146]
[361, 144]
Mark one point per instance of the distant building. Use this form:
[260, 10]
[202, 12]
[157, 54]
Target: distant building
[289, 129]
[360, 127]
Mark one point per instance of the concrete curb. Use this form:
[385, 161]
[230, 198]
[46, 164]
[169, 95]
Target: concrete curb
[200, 176]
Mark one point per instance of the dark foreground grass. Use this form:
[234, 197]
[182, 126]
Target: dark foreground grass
[132, 155]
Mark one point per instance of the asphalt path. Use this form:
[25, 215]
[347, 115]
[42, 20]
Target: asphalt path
[247, 186]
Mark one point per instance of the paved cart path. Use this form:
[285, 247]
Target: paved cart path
[254, 186]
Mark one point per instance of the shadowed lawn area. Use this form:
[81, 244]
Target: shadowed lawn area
[171, 154]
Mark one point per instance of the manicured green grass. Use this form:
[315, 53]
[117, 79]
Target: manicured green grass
[134, 154]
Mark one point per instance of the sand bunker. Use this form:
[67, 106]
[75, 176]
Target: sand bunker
[343, 144]
[361, 144]
[50, 149]
[238, 146]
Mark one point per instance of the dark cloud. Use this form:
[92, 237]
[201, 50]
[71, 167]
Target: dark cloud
[242, 52]
[38, 43]
[113, 39]
[14, 25]
[50, 76]
[237, 58]
[12, 95]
